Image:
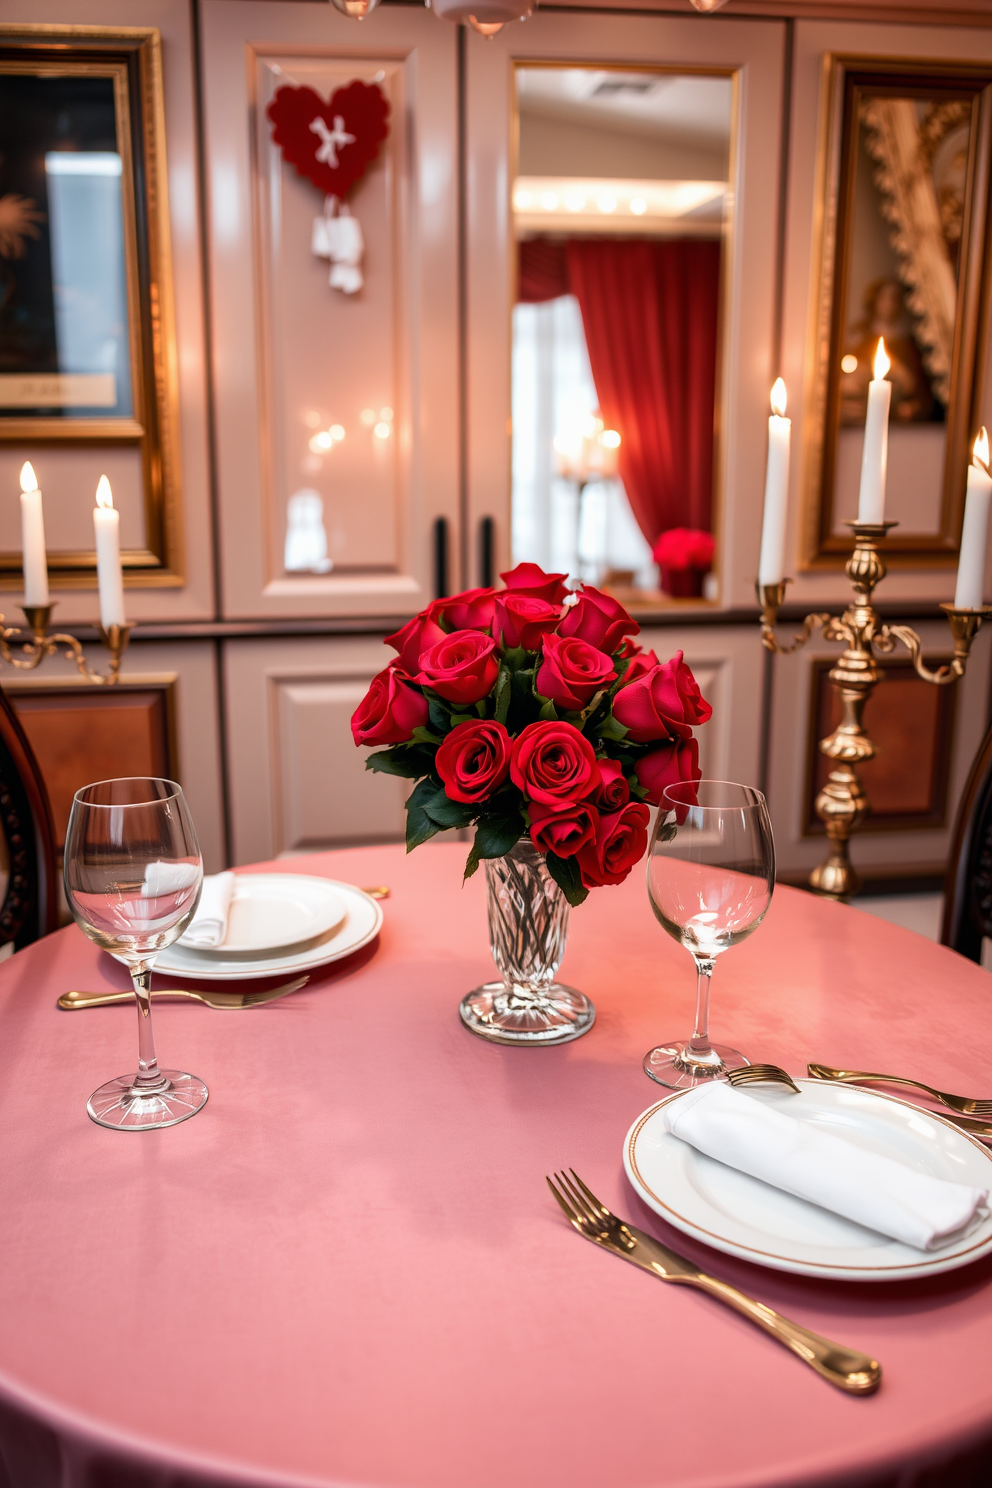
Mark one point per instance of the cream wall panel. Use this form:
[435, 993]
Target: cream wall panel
[297, 782]
[893, 851]
[288, 348]
[727, 663]
[195, 599]
[813, 41]
[753, 50]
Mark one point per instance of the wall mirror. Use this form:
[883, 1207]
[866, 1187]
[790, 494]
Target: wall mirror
[904, 203]
[87, 359]
[622, 208]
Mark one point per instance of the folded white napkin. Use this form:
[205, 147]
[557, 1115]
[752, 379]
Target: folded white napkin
[208, 926]
[828, 1170]
[168, 878]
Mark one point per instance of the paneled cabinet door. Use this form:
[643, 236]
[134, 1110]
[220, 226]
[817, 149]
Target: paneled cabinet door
[337, 420]
[749, 54]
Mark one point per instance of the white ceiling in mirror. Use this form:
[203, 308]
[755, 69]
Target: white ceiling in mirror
[586, 203]
[591, 123]
[649, 102]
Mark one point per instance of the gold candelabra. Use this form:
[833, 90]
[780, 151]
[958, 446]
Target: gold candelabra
[842, 804]
[33, 651]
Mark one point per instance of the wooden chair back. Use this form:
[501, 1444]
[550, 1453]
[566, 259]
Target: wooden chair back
[30, 906]
[968, 885]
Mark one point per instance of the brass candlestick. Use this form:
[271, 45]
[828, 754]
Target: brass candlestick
[34, 650]
[842, 804]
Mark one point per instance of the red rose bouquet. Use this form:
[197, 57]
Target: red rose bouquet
[531, 711]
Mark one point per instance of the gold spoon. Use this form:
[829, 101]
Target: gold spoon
[213, 997]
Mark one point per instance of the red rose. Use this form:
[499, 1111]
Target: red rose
[554, 764]
[390, 710]
[663, 703]
[598, 619]
[572, 671]
[562, 832]
[461, 668]
[471, 610]
[474, 760]
[530, 578]
[641, 663]
[522, 620]
[681, 548]
[415, 637]
[670, 764]
[696, 709]
[621, 840]
[615, 791]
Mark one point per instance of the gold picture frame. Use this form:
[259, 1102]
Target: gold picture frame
[887, 120]
[145, 414]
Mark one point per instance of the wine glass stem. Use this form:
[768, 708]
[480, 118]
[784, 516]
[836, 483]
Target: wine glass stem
[699, 1044]
[149, 1076]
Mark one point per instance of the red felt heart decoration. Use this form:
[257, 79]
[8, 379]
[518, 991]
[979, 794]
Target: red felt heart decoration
[331, 144]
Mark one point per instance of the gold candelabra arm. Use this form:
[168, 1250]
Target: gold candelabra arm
[26, 654]
[964, 624]
[771, 598]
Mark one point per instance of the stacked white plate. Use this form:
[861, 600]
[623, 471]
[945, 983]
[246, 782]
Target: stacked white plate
[280, 924]
[741, 1215]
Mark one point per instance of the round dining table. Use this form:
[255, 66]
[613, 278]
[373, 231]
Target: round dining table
[348, 1271]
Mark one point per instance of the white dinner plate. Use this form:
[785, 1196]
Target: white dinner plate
[745, 1217]
[272, 911]
[361, 924]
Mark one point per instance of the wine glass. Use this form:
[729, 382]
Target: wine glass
[711, 871]
[133, 875]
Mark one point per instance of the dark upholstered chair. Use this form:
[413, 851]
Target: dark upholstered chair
[968, 886]
[31, 905]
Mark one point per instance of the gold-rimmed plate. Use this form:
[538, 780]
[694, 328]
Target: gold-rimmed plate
[744, 1217]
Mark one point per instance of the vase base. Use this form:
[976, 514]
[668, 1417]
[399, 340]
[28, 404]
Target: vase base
[557, 1016]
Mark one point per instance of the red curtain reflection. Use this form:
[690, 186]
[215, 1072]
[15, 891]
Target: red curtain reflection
[649, 310]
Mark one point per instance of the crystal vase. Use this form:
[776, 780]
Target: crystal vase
[528, 926]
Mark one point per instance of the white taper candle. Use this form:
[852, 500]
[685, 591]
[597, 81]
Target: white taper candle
[968, 592]
[106, 530]
[874, 459]
[34, 559]
[771, 564]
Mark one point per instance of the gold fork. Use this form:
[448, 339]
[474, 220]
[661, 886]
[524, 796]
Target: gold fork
[212, 996]
[846, 1368]
[756, 1074]
[752, 1074]
[982, 1108]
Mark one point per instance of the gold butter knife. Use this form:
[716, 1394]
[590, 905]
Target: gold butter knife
[213, 997]
[846, 1368]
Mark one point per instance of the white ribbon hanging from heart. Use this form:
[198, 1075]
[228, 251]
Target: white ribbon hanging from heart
[338, 236]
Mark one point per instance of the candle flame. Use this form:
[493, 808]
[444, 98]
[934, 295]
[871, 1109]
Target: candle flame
[980, 452]
[779, 398]
[104, 495]
[29, 481]
[881, 363]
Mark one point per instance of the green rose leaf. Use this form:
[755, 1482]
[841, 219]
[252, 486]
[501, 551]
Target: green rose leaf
[565, 872]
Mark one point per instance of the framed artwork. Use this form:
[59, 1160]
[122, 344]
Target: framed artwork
[903, 217]
[87, 341]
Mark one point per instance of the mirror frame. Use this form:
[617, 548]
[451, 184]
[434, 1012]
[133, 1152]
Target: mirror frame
[651, 604]
[132, 57]
[845, 78]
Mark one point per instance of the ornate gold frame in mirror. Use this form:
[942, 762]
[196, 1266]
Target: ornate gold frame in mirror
[950, 336]
[131, 57]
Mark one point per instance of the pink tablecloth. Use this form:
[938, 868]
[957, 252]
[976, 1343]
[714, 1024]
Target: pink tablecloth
[348, 1270]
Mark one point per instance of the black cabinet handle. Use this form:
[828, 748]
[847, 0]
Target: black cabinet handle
[440, 557]
[487, 552]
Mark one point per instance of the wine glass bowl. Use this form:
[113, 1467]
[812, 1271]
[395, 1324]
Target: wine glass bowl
[711, 872]
[133, 875]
